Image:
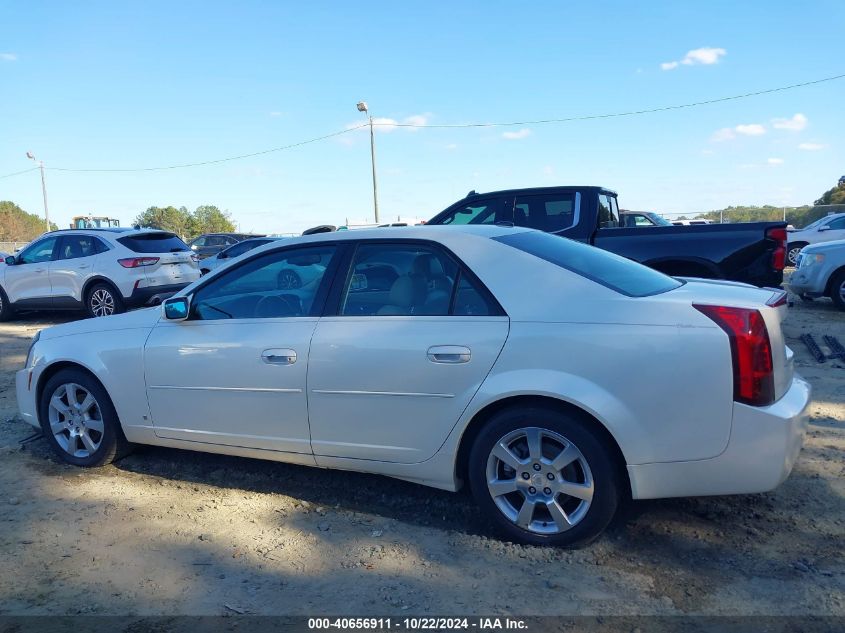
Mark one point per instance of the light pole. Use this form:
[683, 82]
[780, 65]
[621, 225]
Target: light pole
[362, 107]
[43, 187]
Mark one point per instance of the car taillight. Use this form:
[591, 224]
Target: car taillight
[134, 262]
[779, 254]
[751, 352]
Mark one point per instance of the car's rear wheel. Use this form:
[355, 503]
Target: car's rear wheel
[837, 289]
[6, 310]
[79, 420]
[792, 251]
[544, 477]
[102, 300]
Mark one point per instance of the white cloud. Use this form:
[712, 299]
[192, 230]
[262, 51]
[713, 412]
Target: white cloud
[723, 134]
[704, 56]
[774, 161]
[730, 133]
[8, 57]
[515, 136]
[811, 147]
[795, 124]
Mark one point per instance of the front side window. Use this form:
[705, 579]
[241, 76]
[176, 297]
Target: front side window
[838, 223]
[548, 213]
[488, 211]
[608, 269]
[74, 246]
[275, 285]
[39, 252]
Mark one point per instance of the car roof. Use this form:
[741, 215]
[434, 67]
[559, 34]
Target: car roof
[539, 190]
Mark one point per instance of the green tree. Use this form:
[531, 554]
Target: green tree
[210, 219]
[16, 225]
[167, 219]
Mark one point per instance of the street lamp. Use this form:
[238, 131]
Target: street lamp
[43, 187]
[362, 107]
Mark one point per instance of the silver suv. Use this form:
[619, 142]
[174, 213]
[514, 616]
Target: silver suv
[103, 271]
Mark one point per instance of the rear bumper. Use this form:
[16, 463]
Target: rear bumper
[763, 447]
[152, 295]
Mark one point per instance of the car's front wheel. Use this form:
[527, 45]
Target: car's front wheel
[79, 420]
[544, 477]
[837, 289]
[792, 251]
[102, 300]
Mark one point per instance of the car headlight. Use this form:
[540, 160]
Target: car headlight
[808, 259]
[31, 347]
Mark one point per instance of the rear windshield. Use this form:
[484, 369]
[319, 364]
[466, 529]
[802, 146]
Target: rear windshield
[153, 243]
[614, 272]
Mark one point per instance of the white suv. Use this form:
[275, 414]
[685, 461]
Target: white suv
[103, 271]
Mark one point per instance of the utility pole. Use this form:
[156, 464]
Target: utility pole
[43, 187]
[362, 107]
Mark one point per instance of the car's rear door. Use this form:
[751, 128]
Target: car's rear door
[74, 264]
[393, 365]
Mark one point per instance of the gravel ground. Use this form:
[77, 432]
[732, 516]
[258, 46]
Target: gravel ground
[174, 532]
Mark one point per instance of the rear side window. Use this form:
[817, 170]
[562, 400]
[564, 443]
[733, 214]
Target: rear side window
[608, 212]
[554, 212]
[153, 243]
[610, 270]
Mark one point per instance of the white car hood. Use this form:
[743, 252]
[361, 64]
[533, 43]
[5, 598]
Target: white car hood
[144, 318]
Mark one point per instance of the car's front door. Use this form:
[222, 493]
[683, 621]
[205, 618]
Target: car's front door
[833, 230]
[28, 280]
[235, 372]
[412, 339]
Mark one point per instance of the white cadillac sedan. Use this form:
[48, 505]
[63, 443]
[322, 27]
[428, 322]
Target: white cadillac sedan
[553, 377]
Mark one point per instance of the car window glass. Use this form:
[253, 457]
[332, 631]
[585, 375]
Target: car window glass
[274, 285]
[470, 300]
[399, 280]
[153, 243]
[838, 223]
[39, 252]
[546, 213]
[478, 212]
[73, 246]
[100, 246]
[607, 219]
[200, 241]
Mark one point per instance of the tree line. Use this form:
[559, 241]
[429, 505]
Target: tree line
[16, 225]
[206, 218]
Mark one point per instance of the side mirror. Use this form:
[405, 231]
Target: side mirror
[824, 228]
[176, 308]
[194, 247]
[10, 260]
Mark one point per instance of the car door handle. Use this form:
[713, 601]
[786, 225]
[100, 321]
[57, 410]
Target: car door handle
[279, 356]
[81, 266]
[449, 354]
[39, 270]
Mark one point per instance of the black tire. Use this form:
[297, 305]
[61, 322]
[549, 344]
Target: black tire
[112, 443]
[601, 469]
[103, 300]
[792, 251]
[6, 310]
[837, 288]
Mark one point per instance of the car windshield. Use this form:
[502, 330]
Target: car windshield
[610, 270]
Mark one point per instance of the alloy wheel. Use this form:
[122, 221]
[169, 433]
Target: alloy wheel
[102, 303]
[539, 480]
[76, 420]
[792, 255]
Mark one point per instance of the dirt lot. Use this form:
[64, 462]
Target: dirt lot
[172, 532]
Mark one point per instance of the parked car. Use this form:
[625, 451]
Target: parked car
[826, 229]
[103, 271]
[752, 252]
[632, 219]
[236, 250]
[690, 222]
[210, 244]
[820, 272]
[553, 377]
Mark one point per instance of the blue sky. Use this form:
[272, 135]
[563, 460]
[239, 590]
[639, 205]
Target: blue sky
[125, 85]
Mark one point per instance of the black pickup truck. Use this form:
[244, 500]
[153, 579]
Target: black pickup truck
[751, 252]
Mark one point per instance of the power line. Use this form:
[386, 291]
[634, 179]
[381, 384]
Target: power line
[617, 114]
[18, 173]
[447, 126]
